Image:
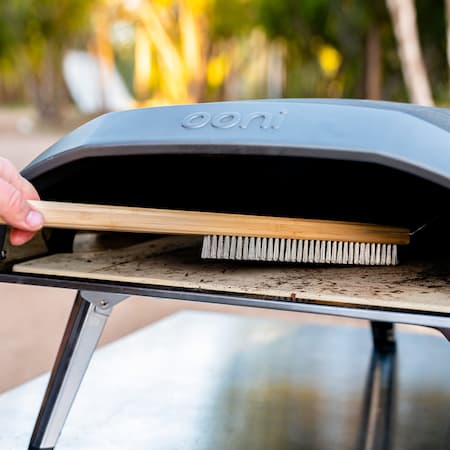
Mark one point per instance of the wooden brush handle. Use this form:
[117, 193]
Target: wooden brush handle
[146, 220]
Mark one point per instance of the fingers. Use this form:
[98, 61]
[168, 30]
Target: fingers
[19, 237]
[10, 174]
[14, 207]
[29, 190]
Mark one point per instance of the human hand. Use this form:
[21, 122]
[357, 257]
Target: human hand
[14, 207]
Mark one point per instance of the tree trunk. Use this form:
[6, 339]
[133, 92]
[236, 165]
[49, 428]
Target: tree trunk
[45, 86]
[447, 11]
[373, 63]
[403, 16]
[276, 69]
[104, 53]
[142, 64]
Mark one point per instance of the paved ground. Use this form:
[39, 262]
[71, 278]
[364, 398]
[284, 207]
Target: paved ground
[33, 318]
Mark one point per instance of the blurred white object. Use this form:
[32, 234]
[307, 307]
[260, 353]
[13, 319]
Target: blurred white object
[25, 125]
[94, 87]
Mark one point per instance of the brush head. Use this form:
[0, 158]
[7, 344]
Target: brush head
[298, 250]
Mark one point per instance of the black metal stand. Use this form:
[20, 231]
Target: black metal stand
[83, 330]
[377, 417]
[383, 335]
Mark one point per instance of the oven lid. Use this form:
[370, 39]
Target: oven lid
[410, 138]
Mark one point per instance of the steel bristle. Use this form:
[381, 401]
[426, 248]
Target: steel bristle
[298, 250]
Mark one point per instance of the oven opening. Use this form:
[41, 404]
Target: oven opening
[263, 185]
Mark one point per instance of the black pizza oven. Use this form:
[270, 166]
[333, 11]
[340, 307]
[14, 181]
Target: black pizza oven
[350, 160]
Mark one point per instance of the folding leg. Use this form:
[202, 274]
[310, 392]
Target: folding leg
[383, 335]
[378, 413]
[84, 328]
[377, 418]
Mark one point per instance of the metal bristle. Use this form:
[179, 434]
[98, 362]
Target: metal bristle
[298, 250]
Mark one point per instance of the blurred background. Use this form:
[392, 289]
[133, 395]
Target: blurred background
[115, 54]
[62, 62]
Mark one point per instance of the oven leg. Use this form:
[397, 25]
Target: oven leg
[383, 335]
[377, 418]
[83, 330]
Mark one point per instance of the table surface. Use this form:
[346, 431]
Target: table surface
[200, 380]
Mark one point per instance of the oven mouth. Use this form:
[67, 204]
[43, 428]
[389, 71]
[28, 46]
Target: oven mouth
[284, 186]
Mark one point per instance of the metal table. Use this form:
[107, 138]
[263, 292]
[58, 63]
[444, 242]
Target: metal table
[202, 381]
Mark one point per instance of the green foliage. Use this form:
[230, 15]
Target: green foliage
[432, 27]
[231, 18]
[30, 23]
[33, 36]
[306, 25]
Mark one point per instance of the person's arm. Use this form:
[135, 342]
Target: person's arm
[14, 207]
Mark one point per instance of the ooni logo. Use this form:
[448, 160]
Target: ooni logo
[226, 120]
